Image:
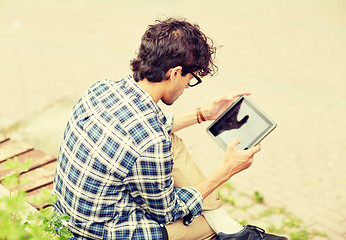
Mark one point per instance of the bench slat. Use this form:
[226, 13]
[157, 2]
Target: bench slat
[40, 173]
[11, 148]
[30, 197]
[3, 138]
[39, 177]
[38, 157]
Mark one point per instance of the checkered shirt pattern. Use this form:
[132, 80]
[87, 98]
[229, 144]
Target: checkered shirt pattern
[113, 176]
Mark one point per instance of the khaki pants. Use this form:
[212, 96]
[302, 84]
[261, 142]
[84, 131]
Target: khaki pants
[186, 173]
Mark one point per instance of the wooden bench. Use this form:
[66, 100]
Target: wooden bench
[40, 173]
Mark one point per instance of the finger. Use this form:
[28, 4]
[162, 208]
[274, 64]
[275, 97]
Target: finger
[224, 98]
[233, 97]
[239, 94]
[255, 149]
[235, 142]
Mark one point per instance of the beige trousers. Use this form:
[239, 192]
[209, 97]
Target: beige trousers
[186, 173]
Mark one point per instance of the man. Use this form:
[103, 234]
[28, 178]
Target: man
[115, 176]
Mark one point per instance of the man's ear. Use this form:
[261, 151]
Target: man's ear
[175, 72]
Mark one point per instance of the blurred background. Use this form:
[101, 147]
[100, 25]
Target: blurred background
[290, 54]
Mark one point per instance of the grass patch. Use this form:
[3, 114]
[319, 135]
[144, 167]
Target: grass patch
[276, 220]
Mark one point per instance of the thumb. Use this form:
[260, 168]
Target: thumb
[235, 142]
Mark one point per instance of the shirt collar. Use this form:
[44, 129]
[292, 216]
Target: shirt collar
[143, 96]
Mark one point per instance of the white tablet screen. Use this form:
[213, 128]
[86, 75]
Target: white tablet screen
[243, 121]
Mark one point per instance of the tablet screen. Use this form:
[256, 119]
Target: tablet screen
[243, 120]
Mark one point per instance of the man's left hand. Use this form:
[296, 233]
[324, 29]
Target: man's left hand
[219, 105]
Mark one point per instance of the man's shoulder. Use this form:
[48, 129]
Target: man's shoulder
[119, 107]
[102, 87]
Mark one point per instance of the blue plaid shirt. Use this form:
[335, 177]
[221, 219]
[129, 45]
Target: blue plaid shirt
[113, 176]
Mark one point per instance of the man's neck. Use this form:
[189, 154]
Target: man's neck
[154, 89]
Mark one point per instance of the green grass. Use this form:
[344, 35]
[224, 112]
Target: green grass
[274, 219]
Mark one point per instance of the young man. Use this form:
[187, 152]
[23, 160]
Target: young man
[115, 176]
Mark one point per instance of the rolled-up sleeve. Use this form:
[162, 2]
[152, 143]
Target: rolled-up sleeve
[167, 122]
[152, 187]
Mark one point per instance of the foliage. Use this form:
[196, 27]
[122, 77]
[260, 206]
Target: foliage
[259, 197]
[225, 193]
[252, 209]
[300, 235]
[17, 222]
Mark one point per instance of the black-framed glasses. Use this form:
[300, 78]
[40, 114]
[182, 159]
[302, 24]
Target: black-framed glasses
[195, 81]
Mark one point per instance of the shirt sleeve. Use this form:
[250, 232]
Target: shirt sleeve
[168, 122]
[152, 187]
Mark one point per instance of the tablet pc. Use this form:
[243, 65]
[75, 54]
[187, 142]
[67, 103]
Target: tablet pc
[242, 120]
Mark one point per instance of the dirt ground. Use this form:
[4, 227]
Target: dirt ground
[290, 54]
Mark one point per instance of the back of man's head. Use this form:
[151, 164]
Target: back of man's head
[170, 43]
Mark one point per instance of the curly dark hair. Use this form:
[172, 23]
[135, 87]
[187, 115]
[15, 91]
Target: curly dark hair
[170, 43]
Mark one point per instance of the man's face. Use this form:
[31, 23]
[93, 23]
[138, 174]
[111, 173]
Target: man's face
[176, 88]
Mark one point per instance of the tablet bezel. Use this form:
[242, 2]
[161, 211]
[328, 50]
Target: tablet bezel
[246, 100]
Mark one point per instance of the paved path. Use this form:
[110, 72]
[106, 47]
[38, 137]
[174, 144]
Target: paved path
[291, 55]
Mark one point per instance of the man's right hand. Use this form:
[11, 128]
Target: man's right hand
[236, 160]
